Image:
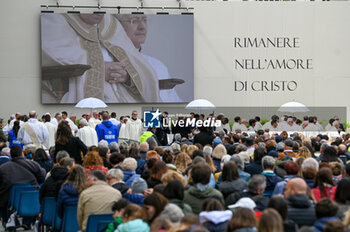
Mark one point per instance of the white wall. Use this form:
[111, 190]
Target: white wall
[321, 25]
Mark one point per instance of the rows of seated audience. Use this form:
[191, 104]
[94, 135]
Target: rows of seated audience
[236, 182]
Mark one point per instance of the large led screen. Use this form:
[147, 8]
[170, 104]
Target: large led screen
[122, 58]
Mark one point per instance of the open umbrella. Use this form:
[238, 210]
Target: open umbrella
[200, 104]
[293, 107]
[91, 103]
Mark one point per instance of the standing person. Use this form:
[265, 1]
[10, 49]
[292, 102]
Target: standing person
[13, 135]
[70, 122]
[107, 130]
[56, 119]
[134, 128]
[114, 120]
[33, 132]
[52, 131]
[66, 141]
[87, 134]
[94, 120]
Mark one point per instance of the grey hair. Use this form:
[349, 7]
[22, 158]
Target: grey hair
[309, 162]
[261, 144]
[207, 150]
[113, 146]
[280, 146]
[61, 154]
[238, 161]
[268, 162]
[129, 164]
[175, 147]
[83, 121]
[241, 147]
[116, 173]
[6, 151]
[103, 143]
[257, 182]
[177, 137]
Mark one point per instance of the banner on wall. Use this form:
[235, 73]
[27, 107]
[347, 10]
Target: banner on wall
[130, 58]
[268, 53]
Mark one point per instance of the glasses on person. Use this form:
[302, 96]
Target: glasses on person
[136, 21]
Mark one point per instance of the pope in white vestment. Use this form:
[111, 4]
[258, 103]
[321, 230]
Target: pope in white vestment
[69, 39]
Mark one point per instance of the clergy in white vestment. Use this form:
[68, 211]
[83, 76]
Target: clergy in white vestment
[94, 120]
[33, 132]
[56, 120]
[134, 128]
[135, 27]
[87, 134]
[123, 135]
[52, 132]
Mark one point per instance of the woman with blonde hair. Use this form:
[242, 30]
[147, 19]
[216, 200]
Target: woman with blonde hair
[218, 152]
[93, 161]
[190, 149]
[169, 176]
[304, 152]
[182, 161]
[210, 162]
[184, 148]
[270, 221]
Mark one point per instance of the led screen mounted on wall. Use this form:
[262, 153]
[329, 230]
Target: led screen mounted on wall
[122, 58]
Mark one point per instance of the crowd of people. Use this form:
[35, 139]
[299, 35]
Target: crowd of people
[245, 178]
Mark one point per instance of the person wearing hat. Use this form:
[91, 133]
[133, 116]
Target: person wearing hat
[138, 187]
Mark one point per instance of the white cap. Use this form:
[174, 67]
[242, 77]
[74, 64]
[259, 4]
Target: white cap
[244, 202]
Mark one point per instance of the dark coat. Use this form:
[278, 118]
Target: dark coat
[204, 138]
[68, 196]
[152, 182]
[254, 168]
[18, 171]
[301, 210]
[47, 165]
[228, 187]
[53, 183]
[290, 226]
[212, 227]
[217, 164]
[122, 187]
[74, 147]
[260, 200]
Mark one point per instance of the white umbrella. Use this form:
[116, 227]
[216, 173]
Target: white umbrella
[200, 104]
[91, 103]
[293, 107]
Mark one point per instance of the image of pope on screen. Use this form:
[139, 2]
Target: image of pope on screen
[129, 58]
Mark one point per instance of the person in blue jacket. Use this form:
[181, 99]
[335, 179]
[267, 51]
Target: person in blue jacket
[13, 135]
[107, 130]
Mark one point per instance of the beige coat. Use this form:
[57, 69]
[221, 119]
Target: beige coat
[97, 199]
